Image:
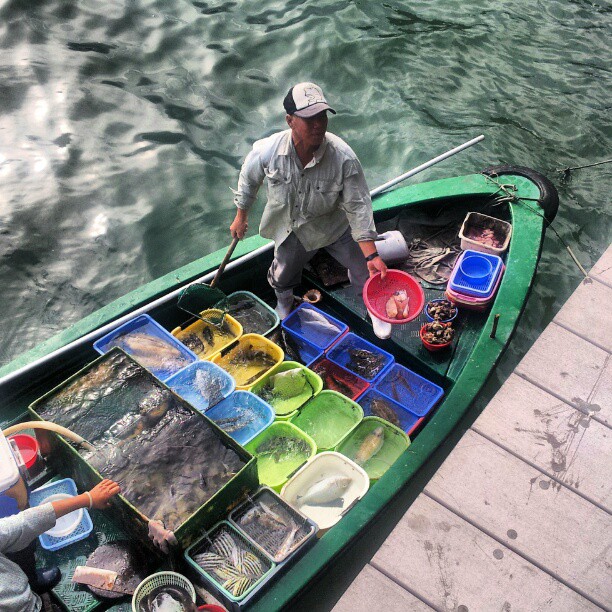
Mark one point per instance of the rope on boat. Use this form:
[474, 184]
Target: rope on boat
[566, 171]
[508, 197]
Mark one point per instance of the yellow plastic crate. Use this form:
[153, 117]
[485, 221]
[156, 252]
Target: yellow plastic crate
[205, 339]
[248, 372]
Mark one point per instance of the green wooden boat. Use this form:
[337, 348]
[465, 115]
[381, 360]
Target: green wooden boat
[519, 195]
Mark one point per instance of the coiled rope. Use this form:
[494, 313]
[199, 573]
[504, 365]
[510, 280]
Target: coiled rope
[508, 189]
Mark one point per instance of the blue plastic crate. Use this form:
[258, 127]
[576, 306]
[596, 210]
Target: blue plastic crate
[307, 353]
[341, 353]
[203, 384]
[40, 496]
[404, 419]
[481, 288]
[315, 326]
[144, 324]
[242, 416]
[413, 392]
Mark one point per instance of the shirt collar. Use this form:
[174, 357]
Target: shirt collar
[289, 149]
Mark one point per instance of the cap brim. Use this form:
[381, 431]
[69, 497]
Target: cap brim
[313, 110]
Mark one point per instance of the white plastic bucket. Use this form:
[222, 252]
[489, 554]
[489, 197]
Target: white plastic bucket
[392, 247]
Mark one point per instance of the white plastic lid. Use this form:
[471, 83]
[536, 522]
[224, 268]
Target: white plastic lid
[9, 472]
[66, 524]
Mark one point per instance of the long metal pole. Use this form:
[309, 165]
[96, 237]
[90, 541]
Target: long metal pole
[98, 333]
[426, 165]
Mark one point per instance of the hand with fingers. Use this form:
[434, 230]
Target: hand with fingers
[102, 493]
[239, 226]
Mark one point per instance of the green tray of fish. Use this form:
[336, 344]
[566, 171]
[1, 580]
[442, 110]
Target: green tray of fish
[328, 418]
[231, 565]
[280, 450]
[152, 441]
[273, 525]
[287, 387]
[374, 445]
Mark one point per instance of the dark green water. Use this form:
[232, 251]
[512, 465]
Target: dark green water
[123, 126]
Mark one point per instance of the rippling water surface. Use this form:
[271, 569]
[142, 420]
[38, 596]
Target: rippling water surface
[123, 125]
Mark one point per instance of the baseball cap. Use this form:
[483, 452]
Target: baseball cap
[306, 100]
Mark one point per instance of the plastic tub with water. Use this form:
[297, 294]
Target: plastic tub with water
[326, 488]
[280, 450]
[150, 344]
[203, 384]
[242, 416]
[407, 388]
[376, 404]
[328, 418]
[315, 326]
[360, 357]
[375, 445]
[287, 393]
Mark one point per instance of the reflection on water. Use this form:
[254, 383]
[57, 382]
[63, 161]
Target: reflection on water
[166, 457]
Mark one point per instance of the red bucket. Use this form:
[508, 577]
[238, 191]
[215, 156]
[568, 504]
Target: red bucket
[377, 292]
[28, 448]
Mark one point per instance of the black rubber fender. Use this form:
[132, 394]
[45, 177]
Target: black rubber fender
[549, 196]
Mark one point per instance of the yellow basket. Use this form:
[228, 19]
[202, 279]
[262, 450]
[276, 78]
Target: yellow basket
[198, 335]
[246, 377]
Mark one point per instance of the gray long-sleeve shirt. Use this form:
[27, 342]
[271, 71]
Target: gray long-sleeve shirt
[16, 532]
[317, 202]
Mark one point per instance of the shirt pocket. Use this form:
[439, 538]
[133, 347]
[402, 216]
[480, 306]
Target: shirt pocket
[279, 184]
[324, 197]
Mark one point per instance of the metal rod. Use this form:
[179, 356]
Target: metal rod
[426, 165]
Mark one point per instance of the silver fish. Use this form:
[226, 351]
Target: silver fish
[325, 491]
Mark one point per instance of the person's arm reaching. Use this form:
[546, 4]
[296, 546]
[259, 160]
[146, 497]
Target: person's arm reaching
[98, 498]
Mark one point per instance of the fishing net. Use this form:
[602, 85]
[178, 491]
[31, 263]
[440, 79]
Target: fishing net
[204, 302]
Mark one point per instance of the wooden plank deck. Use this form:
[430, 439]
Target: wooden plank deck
[518, 517]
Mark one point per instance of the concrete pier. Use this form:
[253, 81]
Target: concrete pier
[518, 517]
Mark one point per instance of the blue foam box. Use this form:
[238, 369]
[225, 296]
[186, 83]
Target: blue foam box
[340, 354]
[315, 326]
[406, 420]
[203, 384]
[242, 416]
[144, 324]
[66, 486]
[481, 288]
[413, 392]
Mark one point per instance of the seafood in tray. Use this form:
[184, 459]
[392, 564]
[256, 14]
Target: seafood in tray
[273, 524]
[230, 560]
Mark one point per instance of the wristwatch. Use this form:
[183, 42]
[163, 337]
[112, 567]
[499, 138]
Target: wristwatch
[372, 256]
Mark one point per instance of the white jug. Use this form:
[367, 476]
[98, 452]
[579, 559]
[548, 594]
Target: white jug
[392, 247]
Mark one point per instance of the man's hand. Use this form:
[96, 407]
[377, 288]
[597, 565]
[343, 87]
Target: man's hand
[377, 265]
[163, 538]
[102, 493]
[239, 226]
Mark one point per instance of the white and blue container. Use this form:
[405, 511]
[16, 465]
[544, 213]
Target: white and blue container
[203, 384]
[155, 348]
[315, 326]
[242, 416]
[69, 528]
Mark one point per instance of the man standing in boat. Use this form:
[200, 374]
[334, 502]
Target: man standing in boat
[317, 198]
